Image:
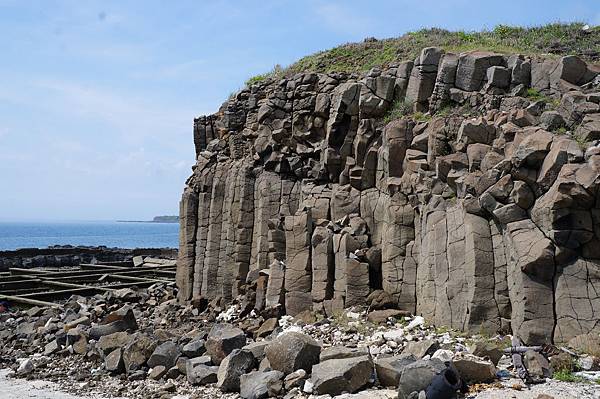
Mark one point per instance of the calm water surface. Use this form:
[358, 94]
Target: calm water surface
[111, 234]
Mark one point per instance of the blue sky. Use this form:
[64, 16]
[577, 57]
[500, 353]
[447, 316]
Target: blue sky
[97, 98]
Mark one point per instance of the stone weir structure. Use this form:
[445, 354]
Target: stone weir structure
[478, 210]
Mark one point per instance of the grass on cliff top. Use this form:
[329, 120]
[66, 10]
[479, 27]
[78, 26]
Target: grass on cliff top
[555, 38]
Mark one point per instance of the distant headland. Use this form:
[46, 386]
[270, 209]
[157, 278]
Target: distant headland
[156, 219]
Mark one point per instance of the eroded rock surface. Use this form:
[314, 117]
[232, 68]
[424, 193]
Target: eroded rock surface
[483, 221]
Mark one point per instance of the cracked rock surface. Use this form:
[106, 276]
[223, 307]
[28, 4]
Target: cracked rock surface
[479, 212]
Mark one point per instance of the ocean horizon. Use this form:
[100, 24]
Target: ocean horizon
[30, 234]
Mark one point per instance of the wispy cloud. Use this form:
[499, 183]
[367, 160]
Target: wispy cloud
[130, 114]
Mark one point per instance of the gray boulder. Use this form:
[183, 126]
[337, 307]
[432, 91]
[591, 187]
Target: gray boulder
[336, 376]
[388, 369]
[119, 320]
[261, 384]
[114, 362]
[138, 351]
[342, 352]
[194, 348]
[237, 363]
[201, 374]
[292, 351]
[417, 376]
[222, 340]
[165, 354]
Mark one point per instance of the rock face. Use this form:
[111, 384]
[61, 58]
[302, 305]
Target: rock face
[480, 223]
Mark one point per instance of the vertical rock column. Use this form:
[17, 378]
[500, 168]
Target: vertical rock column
[322, 265]
[343, 245]
[298, 279]
[267, 199]
[188, 211]
[213, 240]
[245, 227]
[204, 197]
[483, 315]
[357, 282]
[529, 274]
[398, 269]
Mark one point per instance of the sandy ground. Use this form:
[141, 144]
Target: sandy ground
[23, 389]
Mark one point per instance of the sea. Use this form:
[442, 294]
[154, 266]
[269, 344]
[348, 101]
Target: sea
[15, 235]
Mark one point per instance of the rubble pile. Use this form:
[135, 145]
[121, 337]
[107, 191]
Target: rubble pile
[142, 343]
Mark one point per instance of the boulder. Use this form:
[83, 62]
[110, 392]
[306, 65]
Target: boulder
[114, 362]
[138, 351]
[472, 69]
[201, 374]
[336, 376]
[295, 379]
[486, 350]
[498, 76]
[237, 363]
[165, 354]
[110, 342]
[267, 327]
[257, 349]
[261, 384]
[537, 365]
[292, 351]
[342, 352]
[194, 348]
[417, 376]
[119, 320]
[222, 340]
[388, 369]
[421, 348]
[381, 316]
[475, 370]
[157, 372]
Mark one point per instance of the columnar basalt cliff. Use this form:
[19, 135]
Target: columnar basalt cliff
[314, 193]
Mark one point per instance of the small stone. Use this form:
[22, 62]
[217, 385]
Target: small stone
[25, 367]
[157, 372]
[295, 379]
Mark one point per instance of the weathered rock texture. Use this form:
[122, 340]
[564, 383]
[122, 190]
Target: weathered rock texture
[482, 223]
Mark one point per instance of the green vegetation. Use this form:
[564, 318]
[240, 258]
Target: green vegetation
[421, 117]
[556, 38]
[535, 95]
[580, 140]
[566, 375]
[399, 109]
[561, 130]
[275, 73]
